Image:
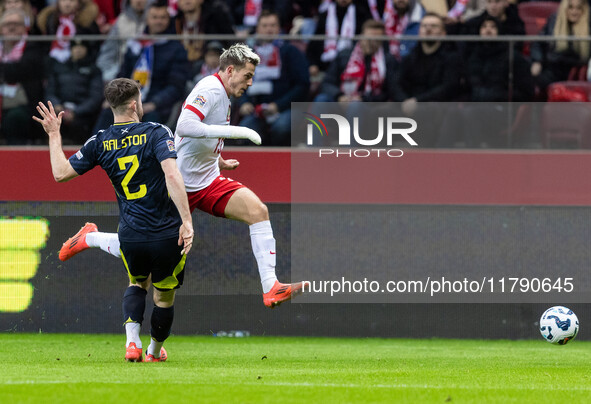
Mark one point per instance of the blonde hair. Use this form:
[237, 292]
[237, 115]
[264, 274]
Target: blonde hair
[238, 55]
[579, 29]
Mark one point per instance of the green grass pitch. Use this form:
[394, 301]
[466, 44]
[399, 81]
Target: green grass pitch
[52, 368]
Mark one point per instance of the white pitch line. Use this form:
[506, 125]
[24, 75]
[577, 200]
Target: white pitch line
[308, 384]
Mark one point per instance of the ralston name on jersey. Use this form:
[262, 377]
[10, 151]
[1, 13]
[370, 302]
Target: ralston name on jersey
[132, 140]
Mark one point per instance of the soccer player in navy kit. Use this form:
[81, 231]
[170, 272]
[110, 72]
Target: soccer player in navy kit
[155, 229]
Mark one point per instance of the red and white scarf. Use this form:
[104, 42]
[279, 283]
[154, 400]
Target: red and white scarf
[173, 8]
[354, 73]
[60, 48]
[395, 24]
[9, 92]
[16, 53]
[332, 46]
[458, 9]
[268, 69]
[252, 10]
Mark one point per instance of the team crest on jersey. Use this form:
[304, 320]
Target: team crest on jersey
[199, 101]
[79, 155]
[170, 144]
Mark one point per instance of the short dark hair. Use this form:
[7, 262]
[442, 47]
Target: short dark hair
[373, 24]
[267, 13]
[493, 19]
[432, 14]
[158, 4]
[120, 92]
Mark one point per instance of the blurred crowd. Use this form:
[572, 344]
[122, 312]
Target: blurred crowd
[71, 71]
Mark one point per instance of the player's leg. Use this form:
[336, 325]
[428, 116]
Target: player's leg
[245, 205]
[134, 305]
[161, 324]
[167, 276]
[108, 242]
[134, 298]
[89, 236]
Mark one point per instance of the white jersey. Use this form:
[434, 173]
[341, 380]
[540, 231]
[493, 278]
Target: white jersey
[198, 155]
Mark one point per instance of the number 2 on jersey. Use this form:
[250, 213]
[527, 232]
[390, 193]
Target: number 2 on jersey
[123, 161]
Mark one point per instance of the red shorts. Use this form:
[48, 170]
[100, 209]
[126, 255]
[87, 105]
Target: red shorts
[214, 198]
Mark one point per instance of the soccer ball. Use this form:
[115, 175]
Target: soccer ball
[559, 325]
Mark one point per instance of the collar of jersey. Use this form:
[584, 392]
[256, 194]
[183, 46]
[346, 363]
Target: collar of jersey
[123, 123]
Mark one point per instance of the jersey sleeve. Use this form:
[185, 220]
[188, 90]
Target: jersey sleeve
[164, 143]
[200, 102]
[85, 159]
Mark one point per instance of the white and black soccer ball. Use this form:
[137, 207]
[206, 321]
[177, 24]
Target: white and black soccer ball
[559, 325]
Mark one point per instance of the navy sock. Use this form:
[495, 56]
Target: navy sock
[134, 304]
[161, 322]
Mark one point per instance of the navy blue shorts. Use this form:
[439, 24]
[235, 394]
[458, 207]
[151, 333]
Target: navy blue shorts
[162, 259]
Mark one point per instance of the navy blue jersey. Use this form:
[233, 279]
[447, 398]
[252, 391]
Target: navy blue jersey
[131, 153]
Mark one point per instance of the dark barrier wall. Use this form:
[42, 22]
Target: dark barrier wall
[222, 291]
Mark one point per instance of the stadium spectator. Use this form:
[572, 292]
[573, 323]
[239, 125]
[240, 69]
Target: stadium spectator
[63, 20]
[488, 69]
[160, 66]
[22, 71]
[201, 17]
[108, 11]
[400, 17]
[452, 11]
[24, 5]
[246, 13]
[343, 18]
[304, 17]
[282, 78]
[201, 131]
[76, 87]
[131, 22]
[155, 225]
[431, 72]
[552, 61]
[502, 10]
[473, 9]
[365, 73]
[210, 64]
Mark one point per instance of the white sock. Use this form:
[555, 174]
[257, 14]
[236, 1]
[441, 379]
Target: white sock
[154, 348]
[263, 248]
[108, 242]
[132, 330]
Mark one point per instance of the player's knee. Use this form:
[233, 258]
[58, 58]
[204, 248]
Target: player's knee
[164, 299]
[259, 213]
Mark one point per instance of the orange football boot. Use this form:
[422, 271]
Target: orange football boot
[281, 292]
[162, 358]
[77, 243]
[133, 353]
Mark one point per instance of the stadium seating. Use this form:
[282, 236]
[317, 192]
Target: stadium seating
[578, 73]
[534, 14]
[567, 123]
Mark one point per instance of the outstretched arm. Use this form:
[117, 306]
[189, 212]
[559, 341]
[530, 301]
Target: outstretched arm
[60, 166]
[190, 125]
[176, 189]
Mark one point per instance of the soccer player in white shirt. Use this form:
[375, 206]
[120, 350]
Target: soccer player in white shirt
[199, 139]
